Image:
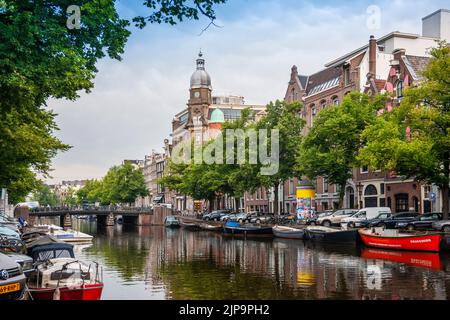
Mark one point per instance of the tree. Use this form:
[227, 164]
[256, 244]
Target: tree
[123, 184]
[424, 154]
[41, 58]
[330, 148]
[45, 196]
[285, 118]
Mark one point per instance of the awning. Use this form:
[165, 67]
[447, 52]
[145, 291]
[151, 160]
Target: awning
[158, 199]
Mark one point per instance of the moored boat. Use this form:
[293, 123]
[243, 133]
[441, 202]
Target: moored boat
[247, 230]
[172, 222]
[319, 233]
[193, 226]
[210, 227]
[394, 239]
[65, 279]
[288, 232]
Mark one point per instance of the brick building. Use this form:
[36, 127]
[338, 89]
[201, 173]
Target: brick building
[390, 63]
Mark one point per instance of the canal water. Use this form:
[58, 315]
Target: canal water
[159, 263]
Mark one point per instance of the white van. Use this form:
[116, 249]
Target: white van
[365, 214]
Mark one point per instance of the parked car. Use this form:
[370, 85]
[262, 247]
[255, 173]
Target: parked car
[215, 215]
[313, 220]
[443, 225]
[262, 218]
[12, 279]
[365, 214]
[228, 217]
[391, 221]
[7, 232]
[336, 217]
[422, 222]
[241, 217]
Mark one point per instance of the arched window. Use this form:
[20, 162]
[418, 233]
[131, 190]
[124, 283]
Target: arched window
[370, 196]
[313, 113]
[335, 100]
[399, 89]
[371, 190]
[323, 104]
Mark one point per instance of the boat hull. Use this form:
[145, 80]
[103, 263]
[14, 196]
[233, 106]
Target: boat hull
[209, 227]
[288, 233]
[190, 226]
[86, 292]
[430, 243]
[338, 236]
[248, 231]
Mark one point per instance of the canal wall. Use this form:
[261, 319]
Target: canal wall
[157, 218]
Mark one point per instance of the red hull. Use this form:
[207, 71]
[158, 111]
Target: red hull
[87, 292]
[414, 242]
[417, 259]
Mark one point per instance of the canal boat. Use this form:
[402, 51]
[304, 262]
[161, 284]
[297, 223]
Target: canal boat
[247, 230]
[394, 239]
[210, 227]
[288, 232]
[59, 275]
[64, 235]
[319, 233]
[193, 226]
[66, 279]
[429, 260]
[172, 222]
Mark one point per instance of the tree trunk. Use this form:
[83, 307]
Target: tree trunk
[445, 201]
[211, 204]
[275, 202]
[342, 195]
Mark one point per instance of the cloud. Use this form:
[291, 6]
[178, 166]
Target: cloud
[130, 110]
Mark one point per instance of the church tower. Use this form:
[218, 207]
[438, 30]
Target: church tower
[200, 96]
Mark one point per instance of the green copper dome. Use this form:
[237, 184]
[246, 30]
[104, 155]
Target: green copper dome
[217, 116]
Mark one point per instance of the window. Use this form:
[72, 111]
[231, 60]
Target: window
[427, 191]
[347, 75]
[371, 190]
[313, 113]
[335, 100]
[323, 104]
[382, 189]
[291, 187]
[401, 202]
[325, 185]
[365, 169]
[399, 89]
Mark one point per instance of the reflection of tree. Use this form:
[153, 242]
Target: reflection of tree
[203, 279]
[122, 253]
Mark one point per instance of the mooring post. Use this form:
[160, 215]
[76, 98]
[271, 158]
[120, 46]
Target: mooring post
[67, 221]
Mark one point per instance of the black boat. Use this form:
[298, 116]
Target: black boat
[288, 232]
[318, 233]
[247, 230]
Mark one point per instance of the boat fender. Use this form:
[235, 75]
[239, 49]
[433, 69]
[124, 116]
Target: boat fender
[57, 294]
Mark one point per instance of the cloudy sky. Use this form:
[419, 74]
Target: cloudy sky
[129, 112]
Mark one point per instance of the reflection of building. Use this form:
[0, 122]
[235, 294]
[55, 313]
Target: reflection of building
[388, 64]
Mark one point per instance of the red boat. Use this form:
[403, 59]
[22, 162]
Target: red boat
[65, 279]
[84, 292]
[393, 239]
[429, 260]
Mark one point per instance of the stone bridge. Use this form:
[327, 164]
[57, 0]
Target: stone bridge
[105, 216]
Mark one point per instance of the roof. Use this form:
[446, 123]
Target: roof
[415, 65]
[217, 116]
[322, 80]
[358, 51]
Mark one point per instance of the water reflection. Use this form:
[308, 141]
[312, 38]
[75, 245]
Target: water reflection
[159, 263]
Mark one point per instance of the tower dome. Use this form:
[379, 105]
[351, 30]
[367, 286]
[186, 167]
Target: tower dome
[200, 78]
[217, 116]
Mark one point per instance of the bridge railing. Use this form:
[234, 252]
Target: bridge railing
[91, 209]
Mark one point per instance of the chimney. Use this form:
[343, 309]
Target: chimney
[373, 56]
[436, 25]
[294, 74]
